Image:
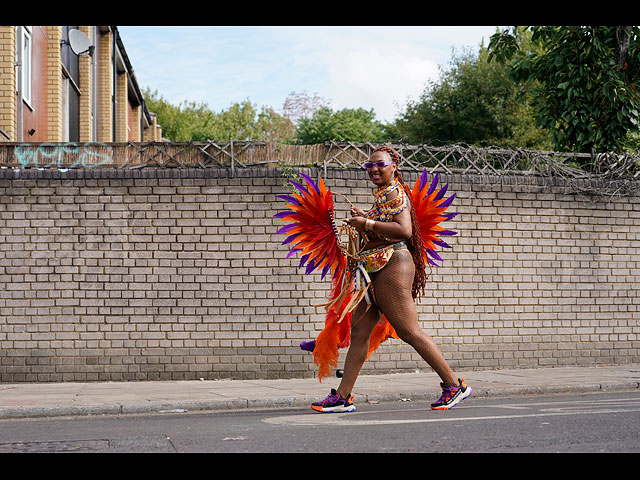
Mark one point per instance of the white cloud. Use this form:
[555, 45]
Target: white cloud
[381, 79]
[367, 67]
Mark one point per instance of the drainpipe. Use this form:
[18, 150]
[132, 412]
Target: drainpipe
[114, 91]
[94, 87]
[143, 107]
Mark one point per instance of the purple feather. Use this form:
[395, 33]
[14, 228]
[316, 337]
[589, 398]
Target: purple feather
[447, 233]
[441, 193]
[325, 270]
[442, 244]
[303, 260]
[424, 178]
[292, 252]
[310, 182]
[310, 267]
[290, 238]
[447, 202]
[285, 214]
[299, 187]
[434, 254]
[434, 182]
[289, 198]
[286, 228]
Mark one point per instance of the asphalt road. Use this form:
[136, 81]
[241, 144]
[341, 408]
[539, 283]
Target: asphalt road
[580, 423]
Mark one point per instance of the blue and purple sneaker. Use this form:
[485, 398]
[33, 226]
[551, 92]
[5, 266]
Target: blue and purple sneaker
[451, 396]
[334, 403]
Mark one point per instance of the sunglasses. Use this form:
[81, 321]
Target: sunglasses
[380, 164]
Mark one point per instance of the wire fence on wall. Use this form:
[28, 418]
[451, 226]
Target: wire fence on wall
[595, 174]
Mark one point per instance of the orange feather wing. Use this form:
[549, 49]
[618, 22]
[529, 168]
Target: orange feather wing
[312, 232]
[431, 206]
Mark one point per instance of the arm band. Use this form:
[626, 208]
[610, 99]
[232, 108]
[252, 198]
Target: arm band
[369, 224]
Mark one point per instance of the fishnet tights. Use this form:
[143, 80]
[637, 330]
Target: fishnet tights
[392, 289]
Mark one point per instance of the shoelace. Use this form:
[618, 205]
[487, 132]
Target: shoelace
[330, 399]
[447, 393]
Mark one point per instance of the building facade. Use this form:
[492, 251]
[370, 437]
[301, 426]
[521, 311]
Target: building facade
[50, 92]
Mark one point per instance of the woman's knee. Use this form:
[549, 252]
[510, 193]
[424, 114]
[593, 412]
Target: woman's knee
[409, 334]
[359, 336]
[362, 325]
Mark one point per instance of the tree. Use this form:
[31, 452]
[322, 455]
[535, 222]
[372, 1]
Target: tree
[190, 121]
[301, 105]
[473, 102]
[588, 80]
[355, 125]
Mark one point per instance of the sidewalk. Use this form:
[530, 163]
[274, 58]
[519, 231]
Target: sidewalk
[18, 400]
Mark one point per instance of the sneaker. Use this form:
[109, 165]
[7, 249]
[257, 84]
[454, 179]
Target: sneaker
[451, 396]
[334, 403]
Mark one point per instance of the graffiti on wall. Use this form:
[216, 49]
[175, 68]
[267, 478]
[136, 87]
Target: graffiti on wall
[63, 155]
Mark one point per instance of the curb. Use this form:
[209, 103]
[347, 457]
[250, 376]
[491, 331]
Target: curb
[289, 402]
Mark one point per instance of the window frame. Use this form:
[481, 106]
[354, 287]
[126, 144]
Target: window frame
[26, 47]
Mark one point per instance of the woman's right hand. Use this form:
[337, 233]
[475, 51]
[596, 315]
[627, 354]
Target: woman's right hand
[356, 212]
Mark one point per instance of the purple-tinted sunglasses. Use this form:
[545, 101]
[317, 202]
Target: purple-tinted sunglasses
[380, 164]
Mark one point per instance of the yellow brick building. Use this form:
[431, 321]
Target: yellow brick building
[70, 84]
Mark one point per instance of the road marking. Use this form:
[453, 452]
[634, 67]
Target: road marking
[585, 407]
[320, 419]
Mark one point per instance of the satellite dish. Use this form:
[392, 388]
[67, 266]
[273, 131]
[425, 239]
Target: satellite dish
[79, 42]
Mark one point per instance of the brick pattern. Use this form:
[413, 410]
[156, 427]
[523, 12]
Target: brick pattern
[86, 92]
[178, 274]
[8, 86]
[126, 128]
[122, 132]
[54, 85]
[104, 124]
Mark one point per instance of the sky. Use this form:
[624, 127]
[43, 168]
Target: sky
[378, 68]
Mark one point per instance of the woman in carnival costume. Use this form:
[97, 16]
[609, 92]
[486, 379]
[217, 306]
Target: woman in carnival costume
[377, 275]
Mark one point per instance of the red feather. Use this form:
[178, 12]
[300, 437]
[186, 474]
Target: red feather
[314, 234]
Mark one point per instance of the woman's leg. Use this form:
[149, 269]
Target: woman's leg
[392, 287]
[359, 346]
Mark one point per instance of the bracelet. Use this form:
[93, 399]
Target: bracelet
[369, 224]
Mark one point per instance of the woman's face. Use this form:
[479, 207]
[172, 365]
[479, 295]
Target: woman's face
[381, 175]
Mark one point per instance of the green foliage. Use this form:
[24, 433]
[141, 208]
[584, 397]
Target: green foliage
[587, 81]
[474, 102]
[191, 121]
[356, 125]
[289, 173]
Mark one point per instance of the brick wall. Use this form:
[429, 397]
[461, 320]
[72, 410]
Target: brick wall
[8, 86]
[85, 111]
[54, 84]
[177, 274]
[122, 124]
[104, 114]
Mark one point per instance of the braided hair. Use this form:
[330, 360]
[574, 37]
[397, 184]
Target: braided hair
[415, 243]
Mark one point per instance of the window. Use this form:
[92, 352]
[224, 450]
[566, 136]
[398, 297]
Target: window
[70, 90]
[26, 64]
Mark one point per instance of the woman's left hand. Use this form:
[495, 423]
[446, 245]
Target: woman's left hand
[357, 222]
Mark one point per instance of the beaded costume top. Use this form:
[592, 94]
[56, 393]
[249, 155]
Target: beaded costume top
[384, 210]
